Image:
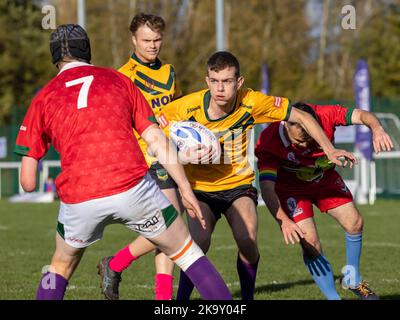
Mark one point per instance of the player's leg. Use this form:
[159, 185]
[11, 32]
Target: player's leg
[54, 281]
[141, 246]
[177, 243]
[79, 225]
[242, 217]
[164, 265]
[298, 207]
[336, 199]
[145, 209]
[317, 264]
[203, 239]
[351, 221]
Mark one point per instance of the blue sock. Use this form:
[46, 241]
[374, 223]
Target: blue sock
[321, 271]
[353, 253]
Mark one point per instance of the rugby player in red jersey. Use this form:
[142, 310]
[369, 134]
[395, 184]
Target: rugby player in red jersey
[88, 113]
[295, 174]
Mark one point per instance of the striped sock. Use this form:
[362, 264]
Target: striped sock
[201, 272]
[321, 271]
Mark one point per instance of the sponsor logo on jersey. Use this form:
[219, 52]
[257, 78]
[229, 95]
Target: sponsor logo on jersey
[277, 102]
[292, 157]
[22, 128]
[162, 120]
[161, 101]
[193, 109]
[149, 84]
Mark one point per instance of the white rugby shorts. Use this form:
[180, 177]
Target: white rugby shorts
[143, 209]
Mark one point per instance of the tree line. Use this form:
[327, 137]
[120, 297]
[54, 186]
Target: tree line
[309, 55]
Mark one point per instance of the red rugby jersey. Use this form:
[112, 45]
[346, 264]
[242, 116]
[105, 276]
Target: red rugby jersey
[294, 166]
[87, 113]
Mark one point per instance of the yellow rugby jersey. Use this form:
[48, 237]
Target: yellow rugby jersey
[233, 131]
[157, 82]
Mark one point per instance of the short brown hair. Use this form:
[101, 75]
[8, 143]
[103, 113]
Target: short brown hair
[155, 23]
[221, 60]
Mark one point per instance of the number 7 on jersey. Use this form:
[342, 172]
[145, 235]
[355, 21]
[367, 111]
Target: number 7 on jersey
[83, 92]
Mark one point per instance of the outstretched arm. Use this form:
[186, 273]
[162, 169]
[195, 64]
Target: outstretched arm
[312, 127]
[291, 231]
[380, 138]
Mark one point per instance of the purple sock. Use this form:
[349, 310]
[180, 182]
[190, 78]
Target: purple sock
[185, 287]
[208, 281]
[51, 287]
[247, 275]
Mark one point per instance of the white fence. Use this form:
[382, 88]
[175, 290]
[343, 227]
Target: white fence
[43, 174]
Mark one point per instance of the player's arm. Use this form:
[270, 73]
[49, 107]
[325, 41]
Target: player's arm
[312, 127]
[28, 173]
[159, 146]
[290, 230]
[268, 165]
[32, 144]
[380, 138]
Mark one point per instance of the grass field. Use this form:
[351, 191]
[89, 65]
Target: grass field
[27, 243]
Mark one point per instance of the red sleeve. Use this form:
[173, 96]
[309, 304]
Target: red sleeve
[142, 115]
[334, 115]
[267, 163]
[32, 140]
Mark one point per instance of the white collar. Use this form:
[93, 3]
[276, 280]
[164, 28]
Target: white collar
[74, 64]
[285, 141]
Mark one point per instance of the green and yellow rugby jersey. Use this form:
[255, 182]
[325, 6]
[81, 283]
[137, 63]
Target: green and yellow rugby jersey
[157, 82]
[233, 131]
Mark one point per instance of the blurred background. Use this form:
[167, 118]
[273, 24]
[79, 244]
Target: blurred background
[300, 49]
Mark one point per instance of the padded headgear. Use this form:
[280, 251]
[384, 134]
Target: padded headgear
[70, 40]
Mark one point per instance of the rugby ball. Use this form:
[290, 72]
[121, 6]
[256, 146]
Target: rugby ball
[195, 143]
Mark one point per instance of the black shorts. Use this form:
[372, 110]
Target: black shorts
[161, 176]
[220, 201]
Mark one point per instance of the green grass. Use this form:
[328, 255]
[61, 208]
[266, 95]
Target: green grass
[27, 242]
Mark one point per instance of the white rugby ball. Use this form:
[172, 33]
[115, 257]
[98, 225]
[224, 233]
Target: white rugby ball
[195, 142]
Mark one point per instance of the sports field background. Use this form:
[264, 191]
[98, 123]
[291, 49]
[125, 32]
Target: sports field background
[27, 243]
